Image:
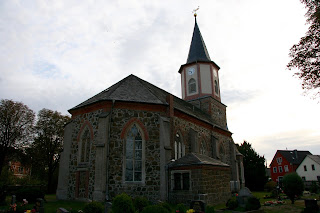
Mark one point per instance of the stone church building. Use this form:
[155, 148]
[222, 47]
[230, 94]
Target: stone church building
[138, 139]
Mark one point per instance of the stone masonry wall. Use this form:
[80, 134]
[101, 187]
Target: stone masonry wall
[92, 120]
[203, 134]
[150, 188]
[210, 185]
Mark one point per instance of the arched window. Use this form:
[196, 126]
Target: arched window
[203, 148]
[85, 146]
[192, 85]
[179, 148]
[216, 88]
[133, 153]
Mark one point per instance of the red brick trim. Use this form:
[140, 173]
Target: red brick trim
[78, 182]
[130, 123]
[86, 123]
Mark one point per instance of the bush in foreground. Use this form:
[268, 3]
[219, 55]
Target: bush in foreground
[292, 186]
[122, 203]
[140, 203]
[93, 207]
[155, 209]
[253, 203]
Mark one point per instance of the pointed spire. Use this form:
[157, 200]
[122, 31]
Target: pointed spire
[198, 50]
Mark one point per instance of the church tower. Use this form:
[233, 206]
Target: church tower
[200, 80]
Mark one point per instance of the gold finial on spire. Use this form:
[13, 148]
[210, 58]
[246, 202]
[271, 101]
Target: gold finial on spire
[195, 11]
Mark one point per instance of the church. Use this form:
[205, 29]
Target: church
[139, 139]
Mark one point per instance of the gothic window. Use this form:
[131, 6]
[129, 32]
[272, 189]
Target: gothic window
[203, 148]
[85, 146]
[180, 180]
[216, 88]
[133, 153]
[179, 148]
[192, 85]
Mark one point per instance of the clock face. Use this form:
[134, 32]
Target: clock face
[191, 71]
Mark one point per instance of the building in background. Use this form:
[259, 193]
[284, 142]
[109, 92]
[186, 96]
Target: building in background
[286, 161]
[309, 169]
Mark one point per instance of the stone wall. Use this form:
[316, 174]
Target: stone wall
[150, 187]
[208, 183]
[204, 134]
[76, 171]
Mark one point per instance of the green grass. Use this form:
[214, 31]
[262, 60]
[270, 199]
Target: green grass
[51, 204]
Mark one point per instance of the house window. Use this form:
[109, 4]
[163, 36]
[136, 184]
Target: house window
[216, 88]
[203, 148]
[280, 169]
[286, 168]
[85, 146]
[313, 168]
[279, 160]
[305, 168]
[181, 180]
[274, 169]
[20, 170]
[303, 178]
[318, 178]
[179, 148]
[133, 166]
[192, 85]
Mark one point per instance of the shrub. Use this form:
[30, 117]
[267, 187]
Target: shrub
[181, 208]
[122, 203]
[93, 207]
[29, 193]
[209, 209]
[140, 202]
[253, 203]
[270, 185]
[232, 203]
[314, 187]
[292, 186]
[155, 209]
[166, 206]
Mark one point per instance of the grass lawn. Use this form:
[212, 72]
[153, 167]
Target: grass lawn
[51, 204]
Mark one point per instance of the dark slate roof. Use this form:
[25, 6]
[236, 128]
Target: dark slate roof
[196, 159]
[294, 156]
[198, 50]
[134, 89]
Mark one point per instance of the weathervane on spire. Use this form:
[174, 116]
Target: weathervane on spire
[195, 11]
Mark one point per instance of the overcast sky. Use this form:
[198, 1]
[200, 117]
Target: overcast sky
[56, 54]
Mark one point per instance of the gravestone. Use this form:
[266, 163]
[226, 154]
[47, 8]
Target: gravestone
[311, 205]
[13, 199]
[243, 196]
[62, 210]
[198, 206]
[39, 205]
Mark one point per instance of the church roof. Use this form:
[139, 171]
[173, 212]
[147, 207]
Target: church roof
[198, 50]
[134, 89]
[196, 159]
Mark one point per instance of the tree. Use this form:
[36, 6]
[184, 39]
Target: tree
[16, 127]
[254, 169]
[305, 56]
[292, 186]
[48, 143]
